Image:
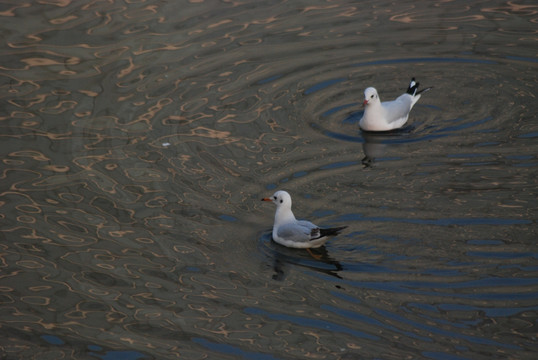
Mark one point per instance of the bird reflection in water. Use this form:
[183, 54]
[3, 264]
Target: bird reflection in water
[281, 257]
[376, 143]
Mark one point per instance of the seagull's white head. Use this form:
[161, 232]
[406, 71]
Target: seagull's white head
[370, 96]
[281, 198]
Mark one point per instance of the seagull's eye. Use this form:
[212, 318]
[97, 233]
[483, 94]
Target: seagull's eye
[281, 201]
[372, 96]
[274, 197]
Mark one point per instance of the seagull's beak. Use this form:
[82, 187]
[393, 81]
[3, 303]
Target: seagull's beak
[266, 199]
[365, 102]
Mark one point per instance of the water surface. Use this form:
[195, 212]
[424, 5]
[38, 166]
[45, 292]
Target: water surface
[138, 138]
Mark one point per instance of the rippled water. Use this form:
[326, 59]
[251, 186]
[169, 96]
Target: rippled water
[139, 136]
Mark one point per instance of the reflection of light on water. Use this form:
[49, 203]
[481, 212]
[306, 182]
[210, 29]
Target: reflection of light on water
[232, 350]
[438, 221]
[137, 141]
[427, 60]
[311, 322]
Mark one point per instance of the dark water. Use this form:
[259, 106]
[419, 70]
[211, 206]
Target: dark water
[138, 137]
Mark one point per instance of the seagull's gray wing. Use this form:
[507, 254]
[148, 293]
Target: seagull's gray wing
[398, 109]
[300, 231]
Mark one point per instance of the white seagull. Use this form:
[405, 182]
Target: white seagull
[290, 232]
[389, 115]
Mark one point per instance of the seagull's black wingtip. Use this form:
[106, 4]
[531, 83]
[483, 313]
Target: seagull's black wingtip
[331, 231]
[413, 87]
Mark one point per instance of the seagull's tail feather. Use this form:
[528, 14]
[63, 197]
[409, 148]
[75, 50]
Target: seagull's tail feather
[331, 231]
[424, 90]
[413, 88]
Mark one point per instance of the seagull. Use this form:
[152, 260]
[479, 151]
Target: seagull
[290, 232]
[389, 115]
